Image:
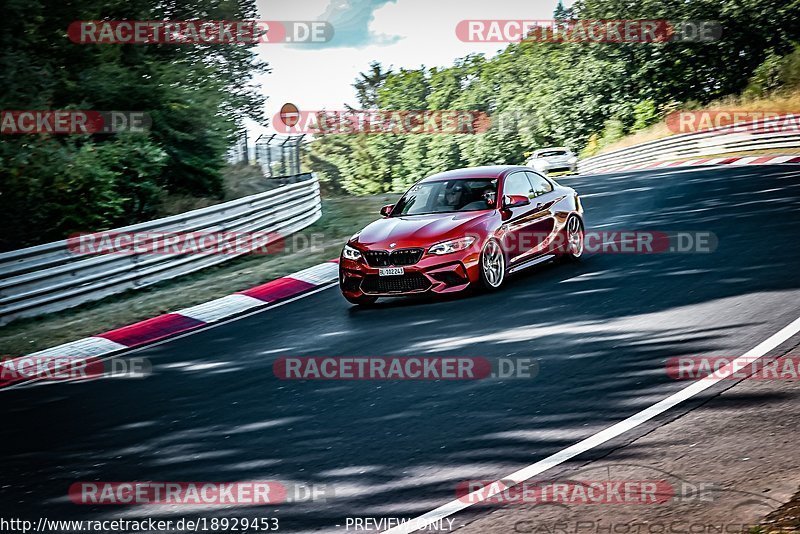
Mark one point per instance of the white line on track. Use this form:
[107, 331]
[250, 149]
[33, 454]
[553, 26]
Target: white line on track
[601, 437]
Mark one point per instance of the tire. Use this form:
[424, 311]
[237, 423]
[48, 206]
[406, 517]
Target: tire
[363, 300]
[576, 239]
[492, 265]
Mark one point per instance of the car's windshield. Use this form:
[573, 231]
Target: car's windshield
[551, 153]
[448, 196]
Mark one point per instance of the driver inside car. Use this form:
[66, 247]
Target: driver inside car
[455, 196]
[484, 201]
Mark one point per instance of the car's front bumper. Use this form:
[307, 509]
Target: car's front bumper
[557, 167]
[448, 273]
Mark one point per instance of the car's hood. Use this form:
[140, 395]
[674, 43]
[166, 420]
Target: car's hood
[419, 230]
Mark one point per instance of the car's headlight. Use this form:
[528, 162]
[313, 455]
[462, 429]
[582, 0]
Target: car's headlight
[449, 247]
[350, 253]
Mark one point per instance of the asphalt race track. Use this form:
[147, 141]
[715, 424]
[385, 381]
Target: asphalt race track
[601, 331]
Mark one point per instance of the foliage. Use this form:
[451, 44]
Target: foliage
[775, 73]
[579, 95]
[645, 113]
[53, 185]
[368, 84]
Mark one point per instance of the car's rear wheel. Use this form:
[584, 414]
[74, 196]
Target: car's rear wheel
[576, 237]
[493, 265]
[363, 300]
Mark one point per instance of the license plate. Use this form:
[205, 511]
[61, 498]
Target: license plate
[391, 271]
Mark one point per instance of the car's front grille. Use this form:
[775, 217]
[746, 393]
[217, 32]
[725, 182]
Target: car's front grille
[395, 284]
[385, 258]
[376, 258]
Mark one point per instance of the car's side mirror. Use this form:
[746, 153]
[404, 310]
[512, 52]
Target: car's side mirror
[515, 201]
[387, 210]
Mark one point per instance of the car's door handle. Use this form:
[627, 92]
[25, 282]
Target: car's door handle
[541, 206]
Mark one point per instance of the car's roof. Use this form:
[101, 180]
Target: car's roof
[470, 173]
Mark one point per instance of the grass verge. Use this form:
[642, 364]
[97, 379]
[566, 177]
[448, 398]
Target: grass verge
[787, 102]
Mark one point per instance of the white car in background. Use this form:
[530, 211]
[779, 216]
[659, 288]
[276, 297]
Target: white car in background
[554, 159]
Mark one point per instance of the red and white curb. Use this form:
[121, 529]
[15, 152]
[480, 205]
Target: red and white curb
[172, 324]
[737, 160]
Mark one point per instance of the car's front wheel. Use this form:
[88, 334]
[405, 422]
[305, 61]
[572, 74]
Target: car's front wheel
[575, 239]
[493, 265]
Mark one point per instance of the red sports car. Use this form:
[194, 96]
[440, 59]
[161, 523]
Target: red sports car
[460, 228]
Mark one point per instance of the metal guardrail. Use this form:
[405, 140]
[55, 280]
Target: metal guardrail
[757, 135]
[51, 277]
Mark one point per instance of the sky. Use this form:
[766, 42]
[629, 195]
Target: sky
[398, 33]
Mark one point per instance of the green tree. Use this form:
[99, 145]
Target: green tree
[368, 83]
[562, 13]
[581, 95]
[195, 95]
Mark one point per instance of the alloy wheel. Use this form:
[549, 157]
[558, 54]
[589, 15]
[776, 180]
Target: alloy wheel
[493, 264]
[575, 237]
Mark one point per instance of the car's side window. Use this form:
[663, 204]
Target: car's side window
[517, 184]
[539, 185]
